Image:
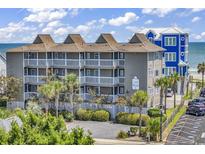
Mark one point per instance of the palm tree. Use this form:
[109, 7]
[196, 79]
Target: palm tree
[167, 84]
[160, 84]
[57, 88]
[72, 86]
[139, 98]
[201, 69]
[47, 93]
[174, 79]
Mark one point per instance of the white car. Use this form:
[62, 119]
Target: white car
[169, 92]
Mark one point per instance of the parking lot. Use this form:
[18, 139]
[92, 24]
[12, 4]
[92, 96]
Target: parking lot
[188, 130]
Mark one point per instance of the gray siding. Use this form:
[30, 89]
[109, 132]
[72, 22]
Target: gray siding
[14, 67]
[135, 65]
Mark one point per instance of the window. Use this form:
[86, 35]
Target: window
[88, 72]
[121, 72]
[95, 72]
[170, 41]
[121, 90]
[32, 71]
[32, 55]
[170, 56]
[42, 72]
[32, 88]
[88, 55]
[169, 70]
[150, 91]
[81, 55]
[26, 55]
[95, 55]
[41, 55]
[156, 72]
[59, 71]
[150, 72]
[49, 55]
[121, 55]
[59, 55]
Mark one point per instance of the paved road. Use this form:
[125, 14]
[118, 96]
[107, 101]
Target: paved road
[188, 130]
[101, 130]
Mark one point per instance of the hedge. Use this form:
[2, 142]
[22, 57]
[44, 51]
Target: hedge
[153, 112]
[131, 118]
[87, 114]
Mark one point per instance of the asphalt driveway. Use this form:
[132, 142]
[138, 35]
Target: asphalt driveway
[100, 130]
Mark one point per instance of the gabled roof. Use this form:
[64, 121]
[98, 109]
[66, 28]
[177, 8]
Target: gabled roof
[75, 43]
[163, 30]
[44, 38]
[74, 38]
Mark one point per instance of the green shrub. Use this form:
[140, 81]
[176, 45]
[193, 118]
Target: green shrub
[43, 130]
[100, 115]
[154, 112]
[122, 135]
[153, 127]
[67, 116]
[131, 118]
[134, 130]
[145, 120]
[83, 114]
[144, 131]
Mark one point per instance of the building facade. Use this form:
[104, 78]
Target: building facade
[106, 66]
[175, 41]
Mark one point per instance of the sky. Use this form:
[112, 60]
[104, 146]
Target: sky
[22, 25]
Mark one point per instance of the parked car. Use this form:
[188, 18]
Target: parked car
[202, 92]
[197, 110]
[169, 92]
[199, 100]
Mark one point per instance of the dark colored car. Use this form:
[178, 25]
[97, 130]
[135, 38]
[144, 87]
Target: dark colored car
[197, 110]
[199, 100]
[202, 92]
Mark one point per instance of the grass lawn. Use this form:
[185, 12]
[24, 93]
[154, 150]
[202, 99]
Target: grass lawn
[176, 118]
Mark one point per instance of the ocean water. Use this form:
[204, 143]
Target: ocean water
[196, 52]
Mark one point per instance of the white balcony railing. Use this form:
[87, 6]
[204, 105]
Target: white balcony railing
[35, 79]
[74, 63]
[99, 80]
[110, 98]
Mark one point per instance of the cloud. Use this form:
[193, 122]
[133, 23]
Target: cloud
[161, 12]
[195, 19]
[113, 32]
[45, 15]
[74, 12]
[200, 36]
[123, 20]
[148, 22]
[13, 30]
[197, 9]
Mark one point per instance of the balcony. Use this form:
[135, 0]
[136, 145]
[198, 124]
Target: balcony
[35, 79]
[94, 80]
[74, 63]
[29, 95]
[109, 98]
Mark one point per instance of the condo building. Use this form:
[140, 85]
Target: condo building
[175, 41]
[106, 66]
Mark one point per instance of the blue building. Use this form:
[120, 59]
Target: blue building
[175, 41]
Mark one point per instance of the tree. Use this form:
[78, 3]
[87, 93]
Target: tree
[167, 84]
[10, 87]
[46, 91]
[201, 69]
[160, 84]
[139, 98]
[154, 128]
[57, 87]
[72, 87]
[174, 79]
[34, 107]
